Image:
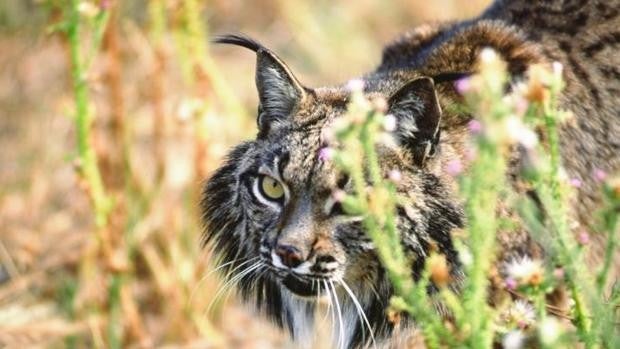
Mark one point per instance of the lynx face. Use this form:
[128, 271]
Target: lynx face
[272, 218]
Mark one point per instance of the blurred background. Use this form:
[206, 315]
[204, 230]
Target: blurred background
[164, 107]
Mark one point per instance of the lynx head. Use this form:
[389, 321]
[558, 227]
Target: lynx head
[273, 222]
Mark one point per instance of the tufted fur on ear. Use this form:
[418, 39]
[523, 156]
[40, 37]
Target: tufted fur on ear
[416, 109]
[279, 92]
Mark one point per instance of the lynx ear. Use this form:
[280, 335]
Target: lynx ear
[279, 92]
[416, 109]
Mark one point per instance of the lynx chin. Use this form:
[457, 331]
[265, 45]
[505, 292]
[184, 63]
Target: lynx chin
[269, 211]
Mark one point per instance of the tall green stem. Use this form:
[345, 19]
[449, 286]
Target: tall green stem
[83, 120]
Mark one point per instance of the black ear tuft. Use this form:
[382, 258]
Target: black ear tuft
[239, 40]
[416, 109]
[279, 91]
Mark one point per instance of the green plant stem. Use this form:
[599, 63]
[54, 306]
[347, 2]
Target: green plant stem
[482, 185]
[382, 229]
[610, 218]
[86, 154]
[115, 327]
[570, 256]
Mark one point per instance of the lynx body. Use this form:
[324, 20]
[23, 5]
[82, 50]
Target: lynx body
[268, 209]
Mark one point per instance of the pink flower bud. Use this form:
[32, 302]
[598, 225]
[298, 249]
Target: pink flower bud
[395, 176]
[511, 284]
[454, 167]
[583, 238]
[575, 182]
[339, 195]
[599, 175]
[326, 154]
[463, 85]
[521, 105]
[474, 126]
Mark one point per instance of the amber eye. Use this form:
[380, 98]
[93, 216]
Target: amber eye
[271, 188]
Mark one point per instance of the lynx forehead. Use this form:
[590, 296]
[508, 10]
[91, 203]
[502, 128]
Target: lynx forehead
[269, 211]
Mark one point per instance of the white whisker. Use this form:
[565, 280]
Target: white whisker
[360, 311]
[202, 279]
[228, 285]
[340, 322]
[330, 308]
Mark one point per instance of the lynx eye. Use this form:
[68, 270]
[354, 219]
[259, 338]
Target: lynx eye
[271, 188]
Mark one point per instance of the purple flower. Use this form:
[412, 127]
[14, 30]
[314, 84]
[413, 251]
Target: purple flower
[599, 175]
[454, 167]
[474, 126]
[326, 154]
[463, 85]
[583, 238]
[575, 182]
[511, 284]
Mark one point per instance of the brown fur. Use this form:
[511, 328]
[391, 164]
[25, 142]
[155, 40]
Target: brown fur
[414, 76]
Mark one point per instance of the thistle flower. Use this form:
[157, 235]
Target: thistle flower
[549, 331]
[491, 70]
[525, 271]
[519, 133]
[535, 88]
[389, 123]
[379, 104]
[488, 56]
[355, 85]
[88, 9]
[521, 314]
[513, 340]
[395, 176]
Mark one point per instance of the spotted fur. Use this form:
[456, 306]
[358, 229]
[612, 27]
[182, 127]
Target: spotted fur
[335, 256]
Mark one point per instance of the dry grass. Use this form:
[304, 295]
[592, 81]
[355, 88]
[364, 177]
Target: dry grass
[165, 108]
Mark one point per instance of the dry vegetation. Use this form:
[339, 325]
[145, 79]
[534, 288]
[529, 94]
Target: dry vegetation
[118, 264]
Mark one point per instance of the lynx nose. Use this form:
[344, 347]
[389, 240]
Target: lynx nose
[289, 255]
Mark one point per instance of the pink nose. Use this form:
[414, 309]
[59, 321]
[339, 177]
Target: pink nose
[290, 255]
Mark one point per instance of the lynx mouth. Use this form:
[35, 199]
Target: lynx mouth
[302, 287]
